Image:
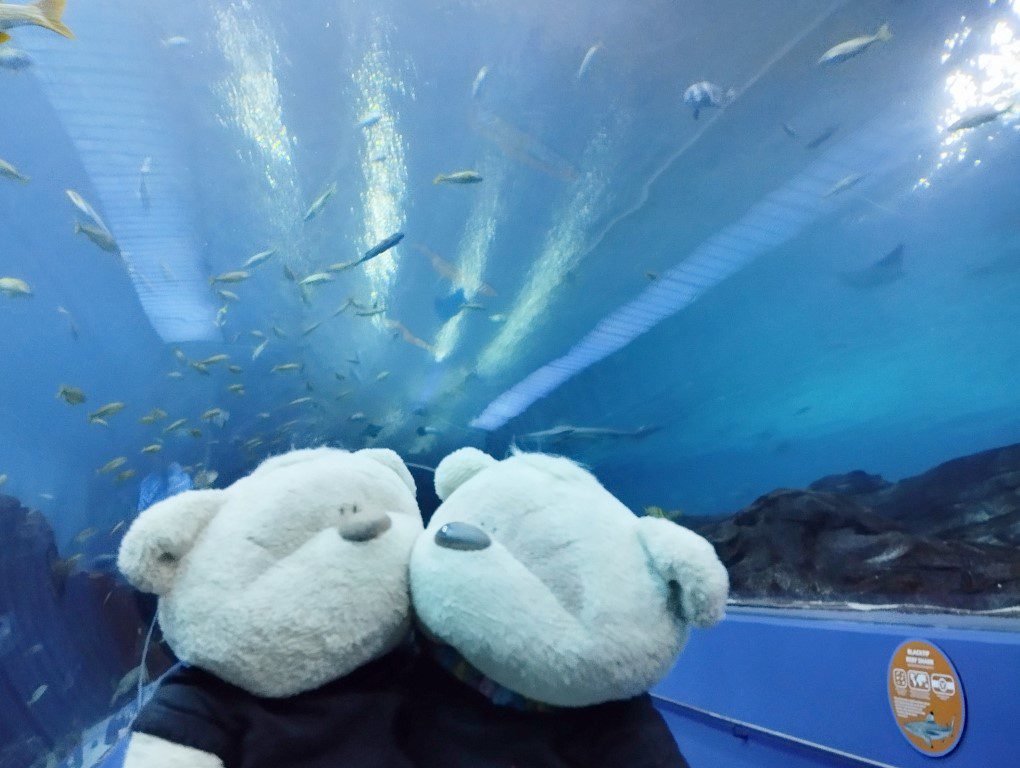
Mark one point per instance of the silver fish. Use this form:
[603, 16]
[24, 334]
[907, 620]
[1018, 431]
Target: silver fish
[98, 235]
[41, 690]
[460, 177]
[8, 171]
[259, 258]
[476, 85]
[320, 202]
[976, 117]
[567, 432]
[586, 61]
[849, 181]
[85, 209]
[856, 46]
[369, 119]
[143, 183]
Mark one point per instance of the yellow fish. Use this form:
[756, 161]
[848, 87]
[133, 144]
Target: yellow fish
[230, 277]
[68, 563]
[672, 515]
[237, 389]
[283, 367]
[212, 413]
[3, 479]
[235, 369]
[124, 476]
[153, 416]
[71, 395]
[154, 448]
[41, 690]
[175, 375]
[110, 409]
[214, 359]
[175, 426]
[42, 13]
[258, 258]
[200, 367]
[86, 534]
[7, 170]
[13, 287]
[317, 279]
[111, 465]
[98, 235]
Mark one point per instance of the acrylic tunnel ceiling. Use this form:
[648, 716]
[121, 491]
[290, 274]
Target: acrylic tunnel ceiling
[813, 274]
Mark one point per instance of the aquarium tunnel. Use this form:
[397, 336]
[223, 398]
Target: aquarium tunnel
[752, 265]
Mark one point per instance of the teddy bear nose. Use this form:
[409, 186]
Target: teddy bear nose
[365, 528]
[463, 536]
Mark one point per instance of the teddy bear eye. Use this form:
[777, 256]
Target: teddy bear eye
[167, 558]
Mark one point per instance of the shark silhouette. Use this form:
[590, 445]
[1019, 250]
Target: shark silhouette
[929, 730]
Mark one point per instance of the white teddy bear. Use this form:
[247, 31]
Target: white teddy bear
[558, 608]
[285, 594]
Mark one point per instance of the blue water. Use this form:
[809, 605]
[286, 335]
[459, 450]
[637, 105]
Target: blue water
[621, 266]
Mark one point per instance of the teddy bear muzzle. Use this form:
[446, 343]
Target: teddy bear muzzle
[462, 536]
[362, 526]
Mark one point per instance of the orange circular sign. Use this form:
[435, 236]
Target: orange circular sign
[926, 697]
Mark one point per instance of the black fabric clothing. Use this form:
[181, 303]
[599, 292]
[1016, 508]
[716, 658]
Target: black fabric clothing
[348, 723]
[450, 725]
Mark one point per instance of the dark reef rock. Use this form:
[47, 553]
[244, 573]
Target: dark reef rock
[77, 632]
[947, 538]
[852, 483]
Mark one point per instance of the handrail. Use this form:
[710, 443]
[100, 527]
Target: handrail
[736, 724]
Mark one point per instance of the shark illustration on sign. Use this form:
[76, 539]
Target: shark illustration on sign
[929, 730]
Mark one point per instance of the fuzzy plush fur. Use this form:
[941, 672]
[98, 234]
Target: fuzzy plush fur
[576, 601]
[290, 578]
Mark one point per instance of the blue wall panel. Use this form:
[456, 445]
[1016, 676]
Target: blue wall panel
[824, 682]
[707, 741]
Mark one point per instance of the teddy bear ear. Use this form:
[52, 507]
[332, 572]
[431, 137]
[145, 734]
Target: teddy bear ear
[459, 467]
[684, 558]
[391, 460]
[162, 535]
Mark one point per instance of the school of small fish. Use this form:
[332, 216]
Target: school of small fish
[289, 370]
